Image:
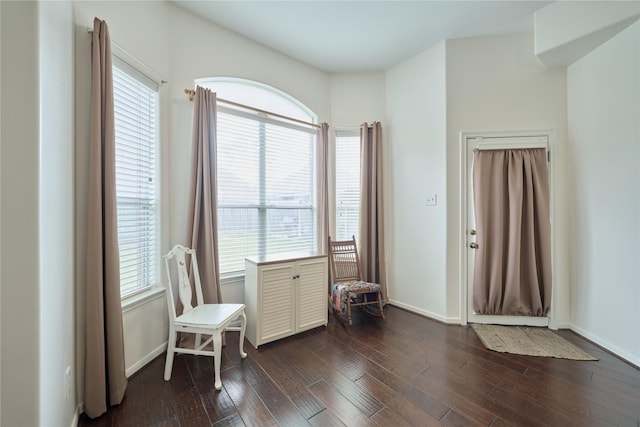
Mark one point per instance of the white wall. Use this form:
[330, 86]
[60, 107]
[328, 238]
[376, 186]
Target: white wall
[416, 159]
[565, 31]
[56, 214]
[37, 214]
[494, 84]
[357, 98]
[604, 170]
[19, 227]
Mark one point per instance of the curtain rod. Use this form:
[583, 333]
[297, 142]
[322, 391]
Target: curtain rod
[191, 93]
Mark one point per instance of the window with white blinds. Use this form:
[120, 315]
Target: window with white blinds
[135, 108]
[347, 167]
[266, 188]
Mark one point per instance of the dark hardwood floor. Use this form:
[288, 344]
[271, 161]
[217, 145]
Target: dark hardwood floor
[405, 370]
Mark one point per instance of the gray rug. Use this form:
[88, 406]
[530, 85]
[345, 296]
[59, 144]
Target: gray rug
[528, 341]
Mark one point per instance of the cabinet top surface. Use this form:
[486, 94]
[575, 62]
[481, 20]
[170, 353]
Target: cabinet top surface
[286, 257]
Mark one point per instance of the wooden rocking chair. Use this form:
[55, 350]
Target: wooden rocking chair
[348, 289]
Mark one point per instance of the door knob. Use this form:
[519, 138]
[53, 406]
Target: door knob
[473, 245]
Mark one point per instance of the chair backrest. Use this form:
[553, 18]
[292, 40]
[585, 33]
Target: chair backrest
[179, 253]
[344, 260]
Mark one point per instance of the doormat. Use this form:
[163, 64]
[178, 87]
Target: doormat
[528, 341]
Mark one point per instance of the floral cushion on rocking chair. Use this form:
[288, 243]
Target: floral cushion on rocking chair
[340, 292]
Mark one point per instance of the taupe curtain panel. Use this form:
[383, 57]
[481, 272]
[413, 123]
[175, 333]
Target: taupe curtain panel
[105, 381]
[372, 250]
[202, 214]
[512, 272]
[322, 149]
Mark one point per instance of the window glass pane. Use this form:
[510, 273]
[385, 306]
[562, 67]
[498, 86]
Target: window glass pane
[135, 105]
[238, 161]
[237, 237]
[266, 183]
[347, 186]
[289, 167]
[290, 230]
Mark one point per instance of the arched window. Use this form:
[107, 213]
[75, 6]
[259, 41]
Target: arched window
[258, 95]
[266, 174]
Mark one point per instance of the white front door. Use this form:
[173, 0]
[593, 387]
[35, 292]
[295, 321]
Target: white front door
[493, 141]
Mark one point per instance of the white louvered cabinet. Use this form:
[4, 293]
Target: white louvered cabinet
[284, 295]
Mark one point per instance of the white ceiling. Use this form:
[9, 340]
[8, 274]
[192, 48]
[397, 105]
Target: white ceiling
[360, 36]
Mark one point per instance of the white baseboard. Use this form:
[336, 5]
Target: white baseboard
[628, 357]
[76, 416]
[425, 313]
[145, 360]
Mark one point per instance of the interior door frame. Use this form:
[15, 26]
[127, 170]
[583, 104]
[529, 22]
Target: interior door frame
[490, 139]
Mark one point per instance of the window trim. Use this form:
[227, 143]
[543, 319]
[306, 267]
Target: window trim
[141, 297]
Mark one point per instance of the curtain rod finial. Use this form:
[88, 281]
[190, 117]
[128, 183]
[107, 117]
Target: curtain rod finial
[191, 93]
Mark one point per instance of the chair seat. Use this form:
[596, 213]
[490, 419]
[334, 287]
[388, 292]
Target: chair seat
[210, 315]
[340, 292]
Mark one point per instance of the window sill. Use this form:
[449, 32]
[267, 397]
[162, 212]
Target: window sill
[232, 280]
[133, 301]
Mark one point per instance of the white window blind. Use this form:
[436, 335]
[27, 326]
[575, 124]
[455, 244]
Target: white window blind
[135, 109]
[347, 186]
[266, 188]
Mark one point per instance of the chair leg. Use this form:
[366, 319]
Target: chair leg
[380, 304]
[217, 350]
[243, 327]
[168, 364]
[349, 309]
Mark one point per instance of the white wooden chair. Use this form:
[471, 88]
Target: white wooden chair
[203, 319]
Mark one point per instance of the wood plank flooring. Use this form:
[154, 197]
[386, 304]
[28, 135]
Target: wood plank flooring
[404, 371]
